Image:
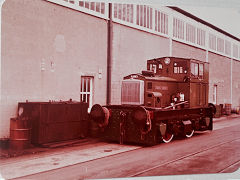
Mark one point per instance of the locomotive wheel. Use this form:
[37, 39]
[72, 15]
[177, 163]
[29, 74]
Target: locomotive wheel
[209, 123]
[167, 137]
[187, 128]
[189, 134]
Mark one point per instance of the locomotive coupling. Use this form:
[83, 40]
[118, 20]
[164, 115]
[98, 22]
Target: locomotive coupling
[100, 115]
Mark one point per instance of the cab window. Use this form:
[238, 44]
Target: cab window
[201, 70]
[194, 69]
[160, 66]
[179, 68]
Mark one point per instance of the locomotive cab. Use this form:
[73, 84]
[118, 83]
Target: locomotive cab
[170, 81]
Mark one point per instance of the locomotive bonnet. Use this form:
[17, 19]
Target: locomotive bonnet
[168, 99]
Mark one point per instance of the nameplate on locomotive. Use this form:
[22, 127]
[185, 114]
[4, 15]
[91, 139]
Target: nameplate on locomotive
[164, 88]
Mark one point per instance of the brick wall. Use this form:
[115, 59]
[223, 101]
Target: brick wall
[66, 43]
[220, 75]
[187, 51]
[131, 49]
[236, 83]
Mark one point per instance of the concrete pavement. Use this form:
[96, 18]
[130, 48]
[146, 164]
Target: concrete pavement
[31, 164]
[62, 157]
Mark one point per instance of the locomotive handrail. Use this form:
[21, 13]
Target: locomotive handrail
[168, 107]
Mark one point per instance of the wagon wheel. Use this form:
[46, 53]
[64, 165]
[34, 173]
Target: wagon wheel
[167, 137]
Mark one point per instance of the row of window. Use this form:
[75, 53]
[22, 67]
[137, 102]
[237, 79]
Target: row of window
[222, 46]
[217, 44]
[197, 35]
[190, 33]
[153, 19]
[201, 34]
[144, 16]
[178, 28]
[98, 7]
[193, 34]
[123, 12]
[161, 22]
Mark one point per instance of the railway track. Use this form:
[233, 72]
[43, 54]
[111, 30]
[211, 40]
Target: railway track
[231, 167]
[192, 155]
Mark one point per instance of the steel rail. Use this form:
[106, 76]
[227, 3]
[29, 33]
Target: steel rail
[184, 157]
[229, 166]
[26, 176]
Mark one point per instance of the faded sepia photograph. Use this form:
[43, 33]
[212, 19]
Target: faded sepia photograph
[127, 89]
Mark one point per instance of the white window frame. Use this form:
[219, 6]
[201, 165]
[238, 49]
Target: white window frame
[143, 16]
[195, 69]
[74, 4]
[235, 50]
[123, 12]
[87, 91]
[161, 22]
[212, 42]
[201, 37]
[214, 94]
[190, 33]
[178, 28]
[220, 45]
[227, 47]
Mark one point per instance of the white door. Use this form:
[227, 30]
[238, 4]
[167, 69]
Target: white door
[86, 90]
[215, 94]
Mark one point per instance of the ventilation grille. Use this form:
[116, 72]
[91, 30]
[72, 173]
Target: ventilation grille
[132, 92]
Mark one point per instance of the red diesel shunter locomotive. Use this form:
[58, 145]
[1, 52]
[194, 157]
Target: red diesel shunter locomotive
[169, 98]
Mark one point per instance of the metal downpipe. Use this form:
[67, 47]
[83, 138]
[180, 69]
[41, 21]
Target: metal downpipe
[109, 55]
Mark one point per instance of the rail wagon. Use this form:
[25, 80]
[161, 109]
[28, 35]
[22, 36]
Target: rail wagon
[168, 99]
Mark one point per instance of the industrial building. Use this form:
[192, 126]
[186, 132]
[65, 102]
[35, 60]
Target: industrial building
[70, 49]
